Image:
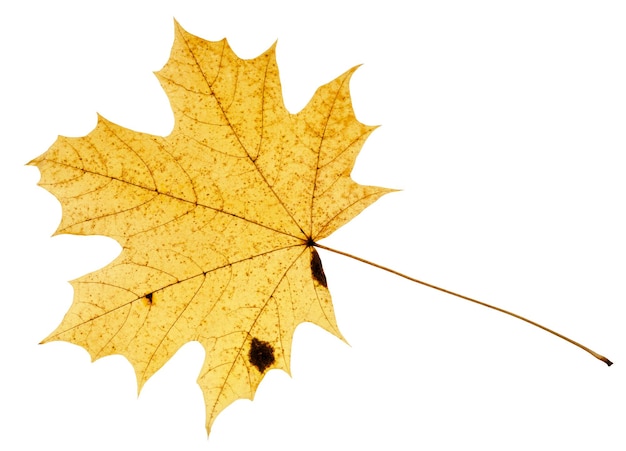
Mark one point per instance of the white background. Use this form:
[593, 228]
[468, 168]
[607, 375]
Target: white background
[505, 127]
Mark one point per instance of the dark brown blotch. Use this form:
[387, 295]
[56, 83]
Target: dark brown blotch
[261, 354]
[148, 300]
[316, 268]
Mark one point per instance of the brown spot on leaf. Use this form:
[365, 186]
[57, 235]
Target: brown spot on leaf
[261, 354]
[316, 268]
[148, 299]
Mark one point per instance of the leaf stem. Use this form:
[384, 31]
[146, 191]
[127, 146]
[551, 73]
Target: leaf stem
[484, 304]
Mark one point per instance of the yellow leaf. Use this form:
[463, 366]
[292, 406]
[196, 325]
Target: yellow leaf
[217, 221]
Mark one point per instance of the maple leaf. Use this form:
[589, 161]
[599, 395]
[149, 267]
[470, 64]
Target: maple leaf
[217, 221]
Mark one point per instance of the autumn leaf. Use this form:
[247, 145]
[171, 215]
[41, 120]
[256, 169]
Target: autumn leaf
[218, 221]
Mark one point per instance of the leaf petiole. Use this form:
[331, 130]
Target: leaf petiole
[476, 301]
